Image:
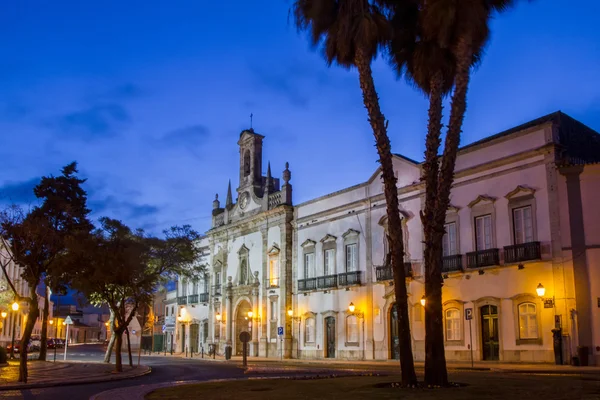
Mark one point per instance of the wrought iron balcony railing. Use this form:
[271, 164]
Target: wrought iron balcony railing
[307, 284]
[522, 252]
[327, 282]
[350, 278]
[203, 298]
[452, 263]
[193, 299]
[385, 272]
[182, 300]
[483, 258]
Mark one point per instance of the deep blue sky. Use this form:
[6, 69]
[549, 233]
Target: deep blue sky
[150, 98]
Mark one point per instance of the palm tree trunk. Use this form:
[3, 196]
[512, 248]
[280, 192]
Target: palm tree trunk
[45, 316]
[435, 360]
[379, 126]
[435, 371]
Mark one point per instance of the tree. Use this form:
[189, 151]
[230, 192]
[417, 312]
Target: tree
[38, 238]
[122, 268]
[351, 33]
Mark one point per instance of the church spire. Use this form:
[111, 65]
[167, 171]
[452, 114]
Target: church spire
[269, 183]
[229, 201]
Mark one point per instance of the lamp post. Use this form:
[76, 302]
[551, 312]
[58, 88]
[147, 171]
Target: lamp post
[361, 315]
[15, 308]
[557, 331]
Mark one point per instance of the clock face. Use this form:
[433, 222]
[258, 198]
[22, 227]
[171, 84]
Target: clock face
[244, 200]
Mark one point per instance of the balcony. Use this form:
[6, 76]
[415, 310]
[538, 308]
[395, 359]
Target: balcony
[272, 283]
[307, 284]
[192, 299]
[181, 300]
[350, 278]
[203, 298]
[385, 273]
[452, 263]
[327, 282]
[216, 290]
[483, 258]
[522, 252]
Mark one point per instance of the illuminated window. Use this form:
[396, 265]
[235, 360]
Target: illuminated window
[453, 324]
[352, 329]
[528, 321]
[309, 330]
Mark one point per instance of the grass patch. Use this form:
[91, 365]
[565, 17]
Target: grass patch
[476, 385]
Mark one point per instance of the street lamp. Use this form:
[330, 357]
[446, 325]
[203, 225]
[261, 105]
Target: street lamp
[218, 317]
[541, 290]
[15, 308]
[423, 301]
[351, 307]
[290, 312]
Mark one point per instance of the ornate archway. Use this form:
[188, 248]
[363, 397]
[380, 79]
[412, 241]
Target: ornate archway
[242, 323]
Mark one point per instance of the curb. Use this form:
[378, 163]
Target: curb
[71, 383]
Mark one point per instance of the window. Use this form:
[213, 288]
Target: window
[528, 321]
[483, 232]
[273, 272]
[309, 265]
[274, 310]
[523, 225]
[205, 283]
[217, 278]
[453, 324]
[449, 241]
[351, 329]
[167, 312]
[243, 272]
[351, 257]
[195, 287]
[329, 262]
[184, 285]
[309, 330]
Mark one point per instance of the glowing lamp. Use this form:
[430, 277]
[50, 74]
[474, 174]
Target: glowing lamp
[423, 301]
[290, 312]
[541, 290]
[50, 322]
[250, 313]
[4, 314]
[351, 307]
[15, 306]
[218, 317]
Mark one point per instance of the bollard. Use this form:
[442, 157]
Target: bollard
[202, 351]
[185, 351]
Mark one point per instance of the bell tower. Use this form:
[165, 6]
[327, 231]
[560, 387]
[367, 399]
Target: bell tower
[250, 144]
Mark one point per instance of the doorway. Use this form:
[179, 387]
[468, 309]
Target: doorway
[330, 337]
[394, 335]
[183, 345]
[242, 323]
[489, 333]
[194, 337]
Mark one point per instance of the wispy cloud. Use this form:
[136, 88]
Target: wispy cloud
[19, 192]
[122, 208]
[97, 121]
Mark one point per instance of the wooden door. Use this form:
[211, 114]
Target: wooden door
[489, 333]
[330, 336]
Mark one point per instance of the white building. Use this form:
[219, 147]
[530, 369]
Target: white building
[521, 219]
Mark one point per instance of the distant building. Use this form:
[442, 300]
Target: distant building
[521, 258]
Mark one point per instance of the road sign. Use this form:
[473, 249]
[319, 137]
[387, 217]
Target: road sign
[280, 330]
[164, 328]
[68, 320]
[468, 314]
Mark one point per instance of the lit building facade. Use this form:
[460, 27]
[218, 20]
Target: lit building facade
[521, 256]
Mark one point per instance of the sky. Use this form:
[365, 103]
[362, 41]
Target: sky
[150, 97]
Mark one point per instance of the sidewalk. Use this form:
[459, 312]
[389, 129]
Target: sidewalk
[49, 374]
[255, 362]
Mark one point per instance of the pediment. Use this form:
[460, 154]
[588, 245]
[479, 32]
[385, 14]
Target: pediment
[482, 199]
[328, 238]
[309, 314]
[384, 219]
[243, 250]
[274, 250]
[308, 243]
[520, 191]
[350, 232]
[452, 209]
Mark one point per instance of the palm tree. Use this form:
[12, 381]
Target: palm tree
[351, 33]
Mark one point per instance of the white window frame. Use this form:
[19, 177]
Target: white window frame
[352, 332]
[523, 224]
[453, 324]
[450, 240]
[351, 260]
[309, 265]
[484, 238]
[309, 330]
[274, 271]
[528, 321]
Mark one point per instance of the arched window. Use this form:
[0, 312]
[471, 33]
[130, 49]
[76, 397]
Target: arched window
[528, 321]
[247, 163]
[453, 324]
[309, 330]
[351, 329]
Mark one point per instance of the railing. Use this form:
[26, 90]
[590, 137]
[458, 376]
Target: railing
[182, 300]
[274, 200]
[385, 272]
[327, 282]
[483, 258]
[192, 299]
[349, 278]
[203, 297]
[272, 283]
[452, 263]
[217, 290]
[307, 284]
[220, 219]
[522, 252]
